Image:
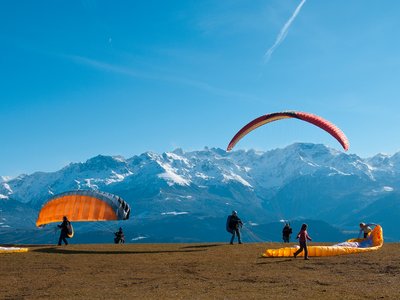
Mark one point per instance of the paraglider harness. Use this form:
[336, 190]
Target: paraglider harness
[70, 230]
[233, 223]
[119, 237]
[67, 228]
[228, 222]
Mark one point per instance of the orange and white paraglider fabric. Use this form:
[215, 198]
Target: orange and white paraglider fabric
[373, 242]
[83, 205]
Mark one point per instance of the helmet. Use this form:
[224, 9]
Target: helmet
[362, 224]
[234, 212]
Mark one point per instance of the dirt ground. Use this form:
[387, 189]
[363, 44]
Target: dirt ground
[195, 271]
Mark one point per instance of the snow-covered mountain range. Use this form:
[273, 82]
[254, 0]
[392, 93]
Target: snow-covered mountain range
[301, 181]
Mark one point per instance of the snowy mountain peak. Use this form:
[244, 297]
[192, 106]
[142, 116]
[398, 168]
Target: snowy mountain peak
[103, 161]
[211, 182]
[205, 168]
[5, 178]
[311, 150]
[178, 151]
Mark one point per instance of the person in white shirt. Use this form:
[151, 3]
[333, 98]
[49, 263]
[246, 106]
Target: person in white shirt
[365, 229]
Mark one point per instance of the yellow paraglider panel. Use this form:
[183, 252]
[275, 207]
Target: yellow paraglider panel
[373, 242]
[13, 250]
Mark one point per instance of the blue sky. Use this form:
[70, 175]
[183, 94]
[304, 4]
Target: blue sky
[82, 78]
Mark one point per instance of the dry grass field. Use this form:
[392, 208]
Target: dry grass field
[195, 271]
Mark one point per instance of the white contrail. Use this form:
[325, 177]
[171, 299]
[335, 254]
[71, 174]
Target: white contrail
[282, 34]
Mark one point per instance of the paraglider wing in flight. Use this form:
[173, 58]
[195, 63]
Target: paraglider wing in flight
[83, 205]
[313, 119]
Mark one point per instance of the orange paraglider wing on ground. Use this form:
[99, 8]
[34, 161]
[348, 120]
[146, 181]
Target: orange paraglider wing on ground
[313, 119]
[372, 243]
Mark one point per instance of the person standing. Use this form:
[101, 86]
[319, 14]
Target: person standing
[233, 226]
[119, 237]
[365, 229]
[303, 237]
[286, 232]
[65, 227]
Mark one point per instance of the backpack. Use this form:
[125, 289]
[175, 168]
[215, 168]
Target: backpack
[228, 221]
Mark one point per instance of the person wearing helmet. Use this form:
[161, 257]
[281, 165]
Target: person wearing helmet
[365, 229]
[233, 226]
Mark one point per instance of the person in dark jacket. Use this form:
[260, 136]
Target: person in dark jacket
[286, 232]
[119, 237]
[65, 227]
[233, 226]
[303, 237]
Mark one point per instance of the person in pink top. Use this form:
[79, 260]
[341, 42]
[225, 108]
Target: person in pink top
[303, 237]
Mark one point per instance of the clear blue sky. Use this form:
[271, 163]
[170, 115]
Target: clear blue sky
[82, 78]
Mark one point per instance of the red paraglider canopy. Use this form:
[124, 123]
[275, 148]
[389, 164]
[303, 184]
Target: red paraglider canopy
[313, 119]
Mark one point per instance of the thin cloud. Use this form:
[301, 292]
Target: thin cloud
[282, 34]
[99, 65]
[116, 69]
